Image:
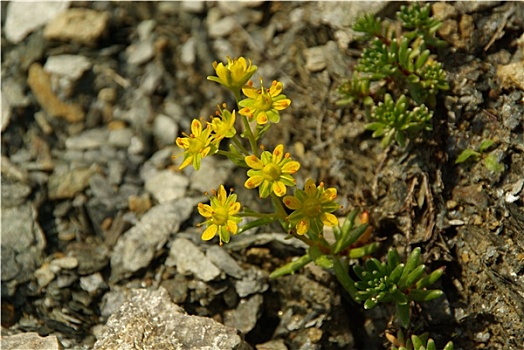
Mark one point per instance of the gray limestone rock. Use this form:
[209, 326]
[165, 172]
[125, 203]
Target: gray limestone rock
[30, 340]
[136, 247]
[149, 320]
[188, 258]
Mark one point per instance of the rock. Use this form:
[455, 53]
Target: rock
[89, 139]
[218, 256]
[511, 74]
[30, 340]
[23, 17]
[67, 262]
[92, 283]
[245, 316]
[165, 130]
[70, 66]
[91, 257]
[141, 52]
[44, 275]
[315, 59]
[67, 184]
[166, 185]
[120, 138]
[14, 194]
[188, 258]
[79, 25]
[136, 247]
[149, 320]
[12, 97]
[221, 170]
[188, 50]
[10, 268]
[443, 10]
[342, 14]
[221, 28]
[40, 83]
[18, 227]
[177, 288]
[254, 282]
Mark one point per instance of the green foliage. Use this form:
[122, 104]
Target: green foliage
[395, 120]
[420, 342]
[396, 282]
[327, 255]
[397, 65]
[490, 160]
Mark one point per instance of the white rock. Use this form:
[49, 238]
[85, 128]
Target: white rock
[222, 27]
[70, 66]
[165, 130]
[24, 17]
[166, 185]
[188, 258]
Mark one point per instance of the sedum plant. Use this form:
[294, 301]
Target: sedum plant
[304, 212]
[396, 76]
[396, 282]
[415, 342]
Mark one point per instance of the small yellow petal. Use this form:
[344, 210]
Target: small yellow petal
[235, 208]
[232, 226]
[329, 219]
[291, 167]
[262, 118]
[196, 127]
[303, 226]
[282, 104]
[186, 162]
[253, 162]
[205, 210]
[254, 181]
[329, 195]
[222, 196]
[310, 188]
[276, 88]
[278, 153]
[209, 233]
[279, 188]
[292, 202]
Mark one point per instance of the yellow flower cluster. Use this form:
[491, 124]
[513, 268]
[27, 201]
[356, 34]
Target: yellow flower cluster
[270, 172]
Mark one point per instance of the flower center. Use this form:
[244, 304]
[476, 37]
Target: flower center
[263, 102]
[195, 145]
[271, 171]
[220, 216]
[312, 207]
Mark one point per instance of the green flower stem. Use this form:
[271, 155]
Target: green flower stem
[278, 204]
[237, 141]
[258, 215]
[250, 136]
[236, 92]
[227, 154]
[345, 280]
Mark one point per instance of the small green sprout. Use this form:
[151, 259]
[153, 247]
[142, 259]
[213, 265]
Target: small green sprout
[420, 342]
[398, 62]
[396, 282]
[490, 161]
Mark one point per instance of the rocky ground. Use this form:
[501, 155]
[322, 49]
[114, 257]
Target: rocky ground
[98, 221]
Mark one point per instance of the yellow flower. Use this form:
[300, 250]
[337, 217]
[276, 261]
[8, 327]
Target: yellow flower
[224, 125]
[197, 145]
[312, 208]
[272, 172]
[235, 74]
[221, 215]
[264, 104]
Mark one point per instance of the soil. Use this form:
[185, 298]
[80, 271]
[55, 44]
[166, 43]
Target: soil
[464, 216]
